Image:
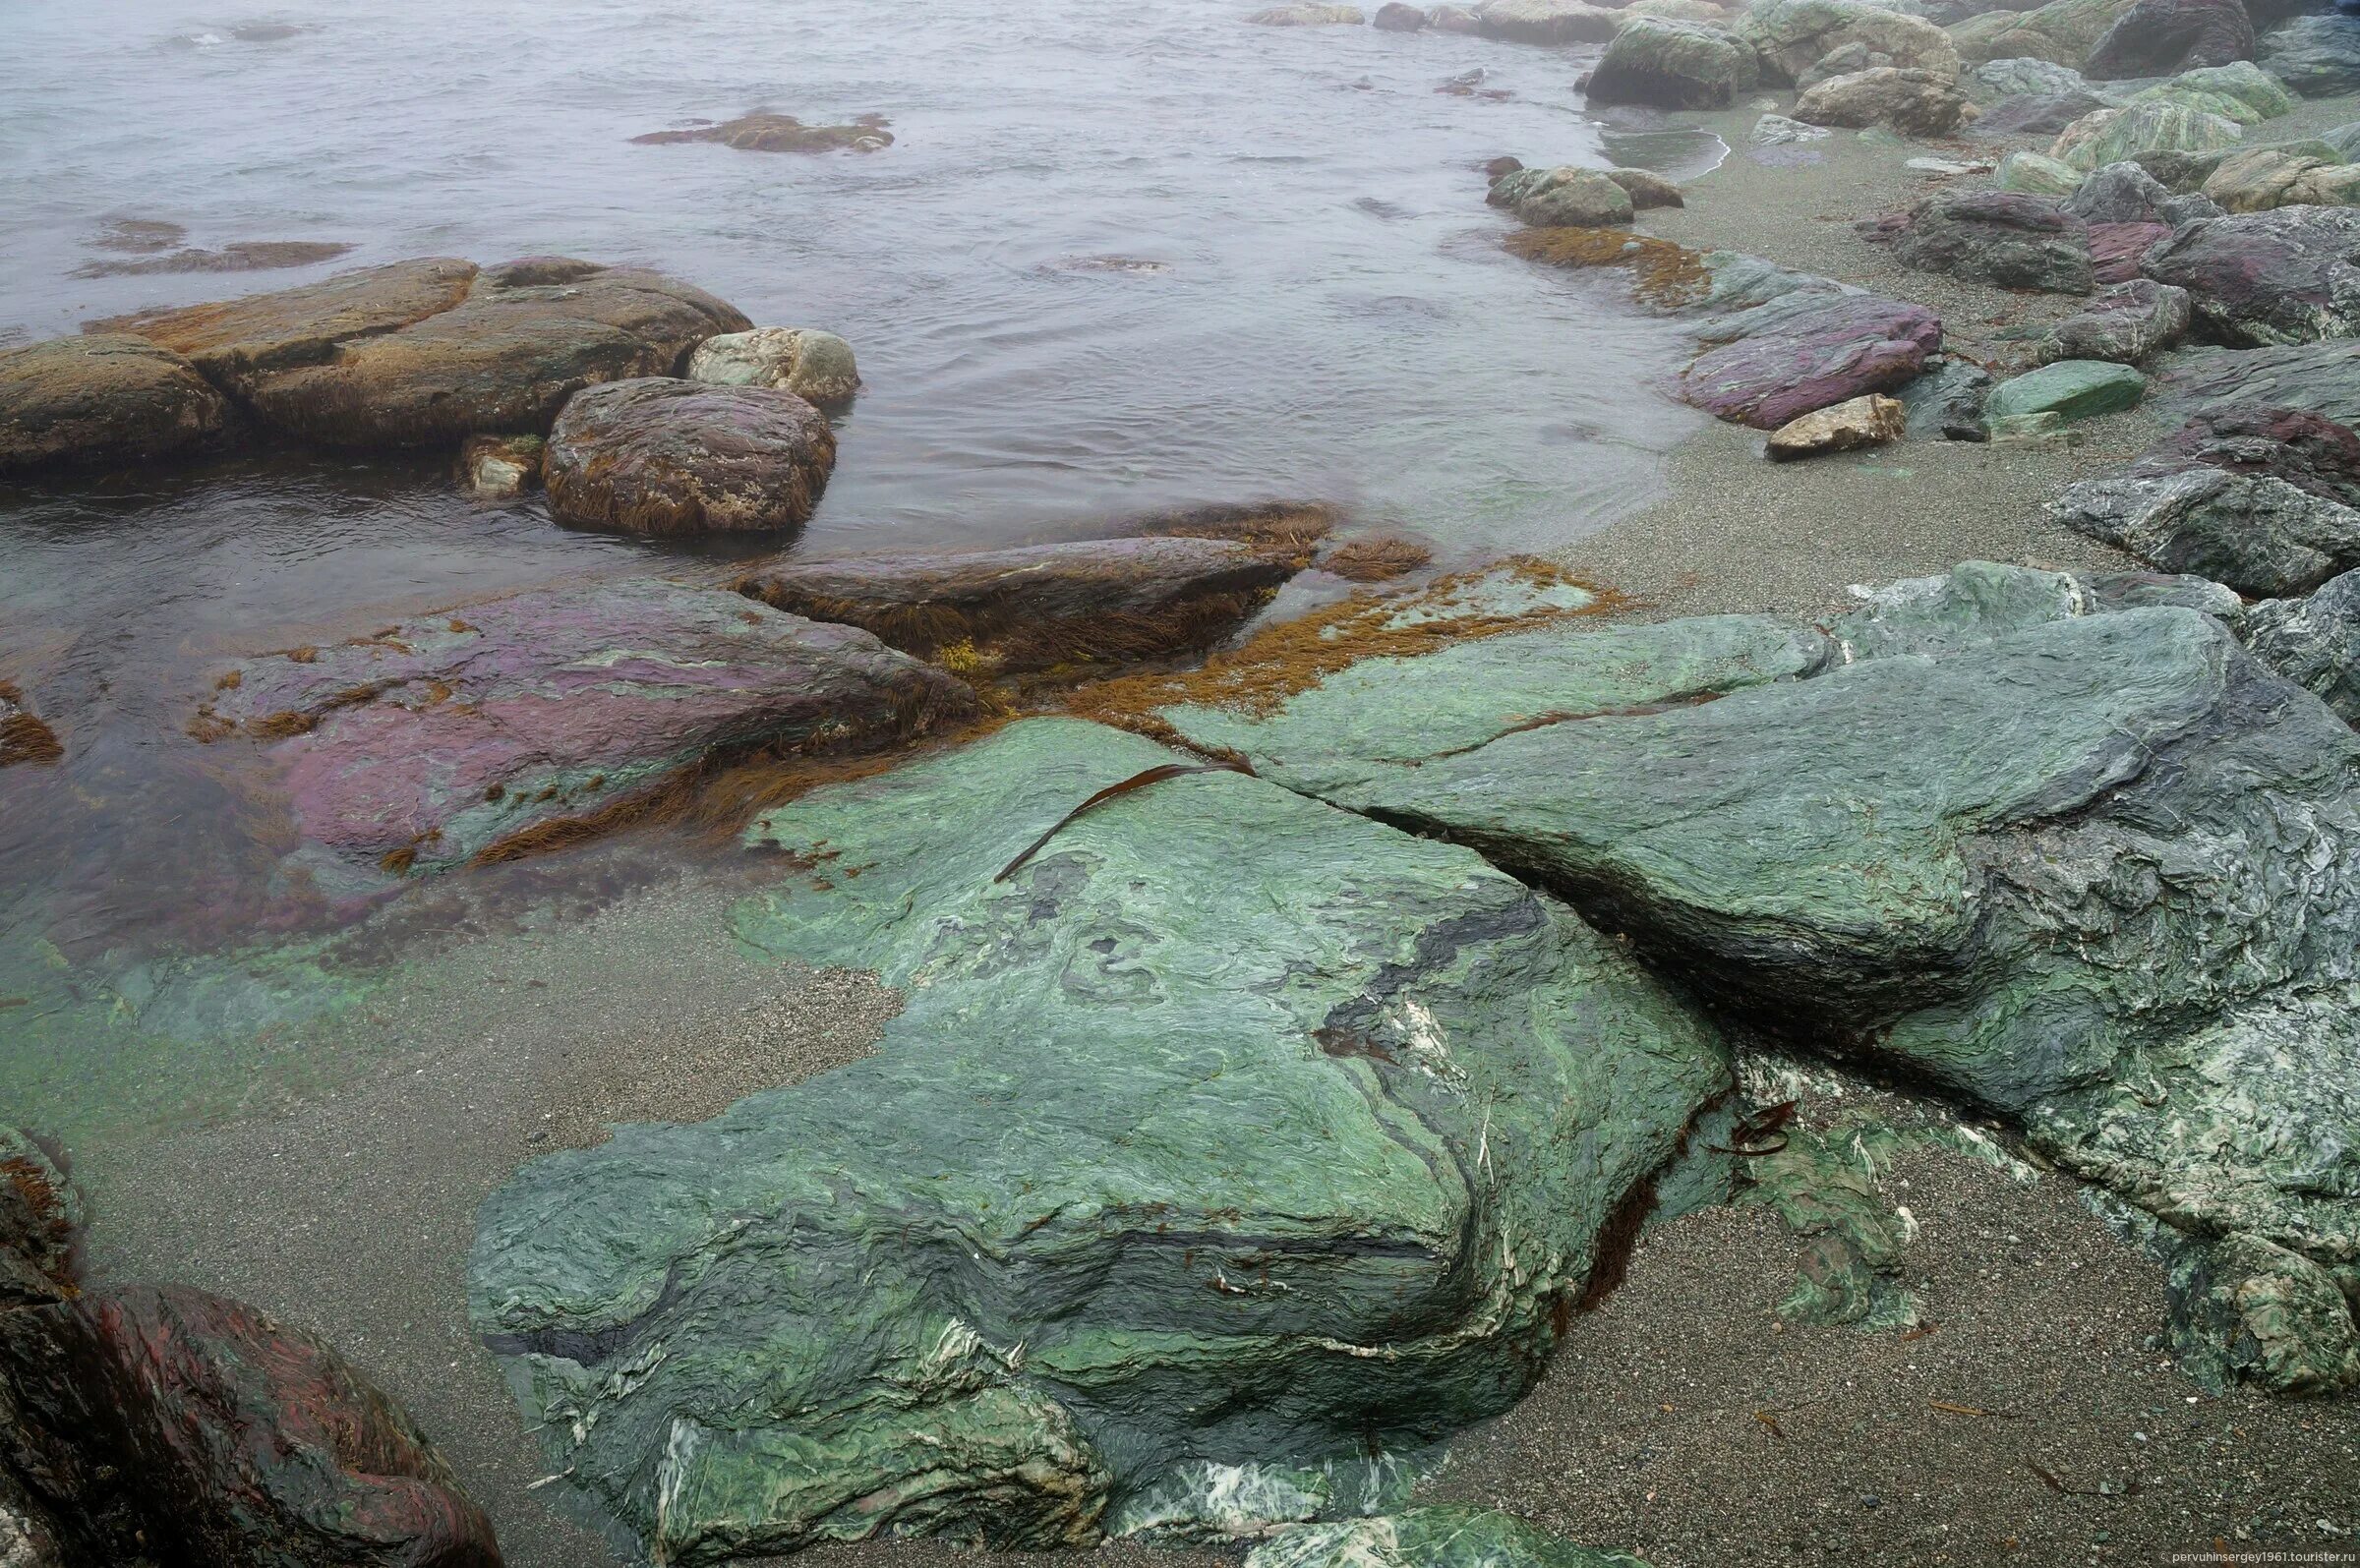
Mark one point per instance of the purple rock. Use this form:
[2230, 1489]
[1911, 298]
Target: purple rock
[2163, 37]
[514, 724]
[2261, 279]
[1829, 349]
[2118, 249]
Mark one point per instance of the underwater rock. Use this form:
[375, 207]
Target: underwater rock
[24, 738]
[781, 132]
[814, 366]
[660, 456]
[162, 1422]
[1448, 1536]
[530, 721]
[243, 256]
[2263, 279]
[1228, 1131]
[1037, 607]
[108, 398]
[499, 467]
[1806, 349]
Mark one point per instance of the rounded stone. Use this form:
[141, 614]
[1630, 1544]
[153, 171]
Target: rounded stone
[654, 455]
[815, 366]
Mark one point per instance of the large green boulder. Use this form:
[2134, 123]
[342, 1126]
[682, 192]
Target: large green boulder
[1443, 1536]
[2116, 136]
[1793, 35]
[1674, 65]
[2098, 872]
[1231, 1135]
[2069, 388]
[2241, 91]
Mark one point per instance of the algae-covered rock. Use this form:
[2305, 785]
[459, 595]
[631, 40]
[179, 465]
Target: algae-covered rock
[499, 467]
[103, 398]
[1674, 65]
[1568, 197]
[1229, 1128]
[1441, 1537]
[530, 718]
[2072, 388]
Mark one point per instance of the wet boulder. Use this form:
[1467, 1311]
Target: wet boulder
[1647, 190]
[105, 399]
[2159, 37]
[660, 456]
[1563, 198]
[2126, 323]
[236, 343]
[1547, 21]
[2091, 867]
[782, 132]
[2267, 178]
[531, 719]
[2258, 278]
[2314, 642]
[1395, 17]
[1807, 350]
[1448, 1535]
[163, 1423]
[2000, 238]
[2318, 56]
[1795, 35]
[815, 366]
[499, 468]
[1226, 1134]
[1674, 65]
[1910, 102]
[1871, 421]
[1040, 606]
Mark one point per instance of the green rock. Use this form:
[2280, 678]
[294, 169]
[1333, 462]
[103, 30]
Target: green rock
[2114, 136]
[2037, 174]
[1230, 1131]
[2242, 91]
[2061, 33]
[1568, 197]
[1822, 1185]
[1431, 1537]
[1979, 601]
[2070, 388]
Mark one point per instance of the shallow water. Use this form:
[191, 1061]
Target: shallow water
[1324, 311]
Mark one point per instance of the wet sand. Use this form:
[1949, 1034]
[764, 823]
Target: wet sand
[350, 1208]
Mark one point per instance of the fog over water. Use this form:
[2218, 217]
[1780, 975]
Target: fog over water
[1323, 311]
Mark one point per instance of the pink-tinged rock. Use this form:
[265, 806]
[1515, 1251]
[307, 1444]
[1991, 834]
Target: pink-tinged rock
[2261, 280]
[1825, 349]
[166, 1424]
[2116, 248]
[526, 720]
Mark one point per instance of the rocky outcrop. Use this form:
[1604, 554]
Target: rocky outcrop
[2314, 642]
[1441, 1537]
[2126, 323]
[1547, 21]
[1795, 35]
[1805, 350]
[2257, 533]
[784, 133]
[999, 1282]
[2243, 92]
[103, 399]
[533, 720]
[1563, 198]
[2323, 378]
[427, 353]
[2307, 450]
[2091, 867]
[1912, 102]
[817, 367]
[1673, 64]
[2318, 56]
[2158, 37]
[1040, 606]
[1870, 420]
[660, 456]
[2261, 279]
[2001, 238]
[2125, 192]
[2060, 34]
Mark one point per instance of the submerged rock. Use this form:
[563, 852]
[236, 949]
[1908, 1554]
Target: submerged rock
[2098, 872]
[2001, 238]
[169, 1423]
[2258, 278]
[23, 735]
[2314, 642]
[111, 398]
[1912, 102]
[815, 366]
[244, 256]
[2158, 37]
[1807, 350]
[782, 132]
[1563, 198]
[656, 455]
[1450, 1535]
[1227, 1134]
[1870, 420]
[1037, 607]
[1309, 15]
[529, 721]
[427, 353]
[2125, 323]
[1673, 64]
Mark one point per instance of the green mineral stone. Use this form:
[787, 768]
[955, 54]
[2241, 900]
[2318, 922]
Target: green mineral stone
[1231, 1135]
[2037, 174]
[1431, 1537]
[2069, 388]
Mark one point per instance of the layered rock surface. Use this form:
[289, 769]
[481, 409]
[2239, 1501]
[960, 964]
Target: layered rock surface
[1228, 1129]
